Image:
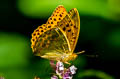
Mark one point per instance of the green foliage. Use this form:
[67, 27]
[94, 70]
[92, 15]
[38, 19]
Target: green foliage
[93, 74]
[13, 50]
[43, 8]
[114, 38]
[79, 62]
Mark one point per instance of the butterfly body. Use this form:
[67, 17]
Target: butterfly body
[60, 57]
[56, 40]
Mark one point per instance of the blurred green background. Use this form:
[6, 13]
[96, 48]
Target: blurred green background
[99, 35]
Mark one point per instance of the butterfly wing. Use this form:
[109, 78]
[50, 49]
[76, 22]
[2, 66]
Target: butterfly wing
[70, 26]
[59, 13]
[50, 44]
[58, 36]
[74, 15]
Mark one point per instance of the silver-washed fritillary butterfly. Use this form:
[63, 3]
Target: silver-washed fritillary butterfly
[56, 40]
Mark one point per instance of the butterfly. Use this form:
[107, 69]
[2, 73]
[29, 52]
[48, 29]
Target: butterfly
[57, 38]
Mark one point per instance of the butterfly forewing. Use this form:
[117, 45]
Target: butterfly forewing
[59, 13]
[70, 26]
[73, 38]
[36, 35]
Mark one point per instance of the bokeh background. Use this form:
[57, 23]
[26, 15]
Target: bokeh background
[99, 35]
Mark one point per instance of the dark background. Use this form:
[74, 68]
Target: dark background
[99, 35]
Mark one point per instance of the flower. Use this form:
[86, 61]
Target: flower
[67, 75]
[54, 77]
[59, 68]
[73, 69]
[2, 77]
[64, 73]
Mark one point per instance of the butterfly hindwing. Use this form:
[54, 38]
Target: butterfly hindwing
[50, 44]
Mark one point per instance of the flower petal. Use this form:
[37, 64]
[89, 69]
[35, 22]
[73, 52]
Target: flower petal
[54, 77]
[59, 68]
[73, 69]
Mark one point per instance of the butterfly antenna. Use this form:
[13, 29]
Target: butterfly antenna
[92, 56]
[80, 52]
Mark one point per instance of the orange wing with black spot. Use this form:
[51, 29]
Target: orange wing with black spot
[59, 13]
[52, 22]
[69, 23]
[47, 40]
[70, 26]
[73, 37]
[49, 44]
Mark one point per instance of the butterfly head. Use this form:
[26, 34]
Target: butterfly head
[73, 56]
[69, 57]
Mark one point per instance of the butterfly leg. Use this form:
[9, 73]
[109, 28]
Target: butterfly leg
[67, 63]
